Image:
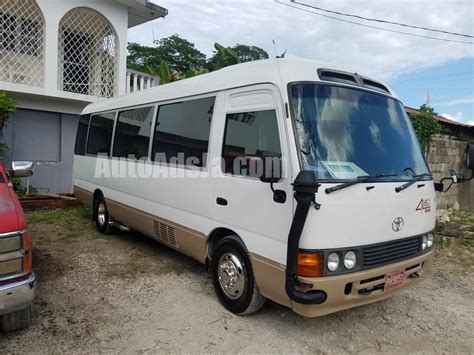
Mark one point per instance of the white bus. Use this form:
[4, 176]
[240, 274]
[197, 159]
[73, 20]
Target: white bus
[342, 215]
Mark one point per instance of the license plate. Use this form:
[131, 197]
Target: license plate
[394, 279]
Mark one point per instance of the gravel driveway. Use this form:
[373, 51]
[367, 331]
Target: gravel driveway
[127, 293]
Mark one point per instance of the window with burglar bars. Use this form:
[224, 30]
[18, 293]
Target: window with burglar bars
[88, 54]
[21, 42]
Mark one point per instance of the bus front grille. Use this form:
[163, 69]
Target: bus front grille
[395, 250]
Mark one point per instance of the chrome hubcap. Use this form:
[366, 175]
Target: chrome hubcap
[231, 275]
[101, 213]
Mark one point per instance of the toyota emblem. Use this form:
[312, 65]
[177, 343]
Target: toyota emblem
[397, 224]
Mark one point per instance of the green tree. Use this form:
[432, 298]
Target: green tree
[223, 57]
[249, 53]
[425, 125]
[180, 55]
[7, 107]
[240, 53]
[166, 76]
[140, 56]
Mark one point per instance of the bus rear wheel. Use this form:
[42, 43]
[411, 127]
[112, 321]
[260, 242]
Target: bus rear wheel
[102, 217]
[233, 278]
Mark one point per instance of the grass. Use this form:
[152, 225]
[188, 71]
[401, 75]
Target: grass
[60, 216]
[463, 218]
[69, 225]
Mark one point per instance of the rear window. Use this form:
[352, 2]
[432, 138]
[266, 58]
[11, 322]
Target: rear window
[100, 134]
[81, 136]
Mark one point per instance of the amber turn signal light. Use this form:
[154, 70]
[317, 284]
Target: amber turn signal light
[310, 264]
[29, 255]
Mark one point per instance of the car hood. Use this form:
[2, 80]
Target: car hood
[8, 214]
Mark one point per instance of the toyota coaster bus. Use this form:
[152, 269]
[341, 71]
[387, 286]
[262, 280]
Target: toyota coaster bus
[288, 179]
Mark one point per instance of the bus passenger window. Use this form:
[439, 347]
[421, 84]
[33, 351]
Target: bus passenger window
[182, 132]
[81, 135]
[247, 135]
[132, 135]
[100, 133]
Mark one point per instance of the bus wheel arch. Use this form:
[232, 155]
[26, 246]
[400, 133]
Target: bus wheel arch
[97, 193]
[212, 240]
[231, 270]
[101, 215]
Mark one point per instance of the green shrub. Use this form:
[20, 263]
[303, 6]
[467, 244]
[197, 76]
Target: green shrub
[425, 125]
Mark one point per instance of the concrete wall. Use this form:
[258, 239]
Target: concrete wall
[47, 139]
[53, 11]
[448, 152]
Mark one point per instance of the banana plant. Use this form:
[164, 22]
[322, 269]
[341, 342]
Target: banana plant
[225, 56]
[167, 77]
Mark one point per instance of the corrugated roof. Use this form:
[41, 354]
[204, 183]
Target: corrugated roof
[439, 118]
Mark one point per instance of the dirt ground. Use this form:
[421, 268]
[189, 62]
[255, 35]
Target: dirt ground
[129, 294]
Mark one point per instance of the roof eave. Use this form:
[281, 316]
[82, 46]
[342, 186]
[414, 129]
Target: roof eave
[141, 11]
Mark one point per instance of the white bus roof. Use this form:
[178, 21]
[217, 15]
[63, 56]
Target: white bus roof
[275, 71]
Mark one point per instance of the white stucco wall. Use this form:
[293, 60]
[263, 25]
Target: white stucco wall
[53, 11]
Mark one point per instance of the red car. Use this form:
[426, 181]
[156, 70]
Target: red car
[16, 278]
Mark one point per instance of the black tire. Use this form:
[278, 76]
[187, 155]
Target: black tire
[16, 320]
[102, 217]
[246, 299]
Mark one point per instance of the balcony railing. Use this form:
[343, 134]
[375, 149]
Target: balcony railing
[137, 81]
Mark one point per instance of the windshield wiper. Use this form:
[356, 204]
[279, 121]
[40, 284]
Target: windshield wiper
[414, 179]
[360, 179]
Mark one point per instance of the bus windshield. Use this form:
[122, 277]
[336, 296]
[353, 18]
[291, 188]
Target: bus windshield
[345, 134]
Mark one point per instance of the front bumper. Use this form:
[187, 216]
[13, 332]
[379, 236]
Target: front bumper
[17, 295]
[365, 286]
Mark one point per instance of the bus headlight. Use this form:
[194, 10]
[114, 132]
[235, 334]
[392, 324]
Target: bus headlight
[350, 260]
[424, 244]
[430, 240]
[333, 261]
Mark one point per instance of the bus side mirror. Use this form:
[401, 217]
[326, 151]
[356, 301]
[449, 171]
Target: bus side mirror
[271, 167]
[470, 156]
[22, 169]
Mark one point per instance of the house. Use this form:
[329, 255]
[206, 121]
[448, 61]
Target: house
[447, 151]
[57, 56]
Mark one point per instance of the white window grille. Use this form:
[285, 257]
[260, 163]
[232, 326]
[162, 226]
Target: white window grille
[88, 53]
[21, 42]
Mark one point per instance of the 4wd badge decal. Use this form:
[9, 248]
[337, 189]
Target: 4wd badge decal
[424, 206]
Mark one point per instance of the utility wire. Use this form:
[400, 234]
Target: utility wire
[382, 21]
[370, 26]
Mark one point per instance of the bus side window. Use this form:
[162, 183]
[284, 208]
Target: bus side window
[248, 135]
[100, 134]
[81, 136]
[182, 132]
[132, 134]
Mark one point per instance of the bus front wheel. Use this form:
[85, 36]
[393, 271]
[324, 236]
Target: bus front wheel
[233, 278]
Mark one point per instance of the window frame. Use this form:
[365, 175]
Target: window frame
[17, 36]
[154, 106]
[205, 166]
[224, 135]
[84, 150]
[347, 86]
[109, 154]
